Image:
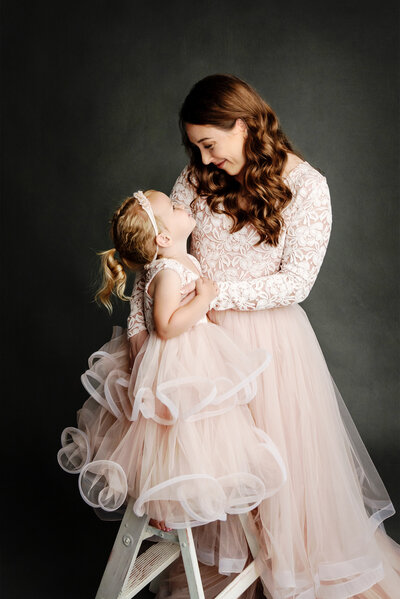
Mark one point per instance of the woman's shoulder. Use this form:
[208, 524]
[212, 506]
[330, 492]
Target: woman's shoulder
[292, 161]
[309, 189]
[304, 179]
[298, 170]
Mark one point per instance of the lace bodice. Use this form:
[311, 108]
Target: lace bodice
[186, 276]
[259, 277]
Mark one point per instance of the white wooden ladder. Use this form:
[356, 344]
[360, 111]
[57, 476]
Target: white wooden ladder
[126, 574]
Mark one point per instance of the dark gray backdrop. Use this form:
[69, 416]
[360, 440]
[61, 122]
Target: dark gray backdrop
[91, 94]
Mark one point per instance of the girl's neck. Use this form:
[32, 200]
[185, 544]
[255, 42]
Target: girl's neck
[177, 251]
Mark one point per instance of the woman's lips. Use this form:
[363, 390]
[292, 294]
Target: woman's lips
[220, 165]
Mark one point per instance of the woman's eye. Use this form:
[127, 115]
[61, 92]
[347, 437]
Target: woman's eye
[208, 147]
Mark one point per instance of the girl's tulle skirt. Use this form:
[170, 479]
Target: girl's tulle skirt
[176, 433]
[321, 535]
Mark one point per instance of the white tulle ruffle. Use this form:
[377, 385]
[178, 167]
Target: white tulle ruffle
[176, 432]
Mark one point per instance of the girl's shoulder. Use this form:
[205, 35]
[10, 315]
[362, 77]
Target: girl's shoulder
[185, 274]
[160, 264]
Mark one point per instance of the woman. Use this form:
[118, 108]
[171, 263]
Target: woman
[263, 226]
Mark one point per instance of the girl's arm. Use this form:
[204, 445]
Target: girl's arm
[136, 326]
[171, 319]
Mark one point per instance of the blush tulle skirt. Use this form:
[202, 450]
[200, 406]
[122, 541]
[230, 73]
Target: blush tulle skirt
[322, 534]
[176, 433]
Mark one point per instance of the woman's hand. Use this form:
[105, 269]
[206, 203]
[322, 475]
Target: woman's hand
[207, 289]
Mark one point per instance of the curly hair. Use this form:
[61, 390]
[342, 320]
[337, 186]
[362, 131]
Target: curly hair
[219, 100]
[134, 239]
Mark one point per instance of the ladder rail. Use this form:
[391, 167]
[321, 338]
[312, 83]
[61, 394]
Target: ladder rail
[123, 554]
[126, 573]
[190, 563]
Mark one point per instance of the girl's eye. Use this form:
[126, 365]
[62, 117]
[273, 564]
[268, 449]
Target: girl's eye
[208, 147]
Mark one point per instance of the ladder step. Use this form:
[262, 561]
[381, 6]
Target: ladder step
[147, 566]
[240, 583]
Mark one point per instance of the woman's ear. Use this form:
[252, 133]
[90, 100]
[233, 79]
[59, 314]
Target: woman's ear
[163, 240]
[241, 125]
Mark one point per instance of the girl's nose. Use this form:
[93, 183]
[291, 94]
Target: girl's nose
[182, 207]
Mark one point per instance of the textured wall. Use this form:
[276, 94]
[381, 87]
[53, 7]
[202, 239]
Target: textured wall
[91, 94]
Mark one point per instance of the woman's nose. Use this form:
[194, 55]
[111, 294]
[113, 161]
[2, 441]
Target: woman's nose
[205, 157]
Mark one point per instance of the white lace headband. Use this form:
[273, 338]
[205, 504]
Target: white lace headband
[145, 204]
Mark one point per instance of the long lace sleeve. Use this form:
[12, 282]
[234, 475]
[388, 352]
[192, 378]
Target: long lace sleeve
[307, 237]
[182, 192]
[136, 322]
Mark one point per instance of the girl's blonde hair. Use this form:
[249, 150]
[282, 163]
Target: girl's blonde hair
[135, 241]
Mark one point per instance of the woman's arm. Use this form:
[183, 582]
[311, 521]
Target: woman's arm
[307, 237]
[170, 318]
[182, 192]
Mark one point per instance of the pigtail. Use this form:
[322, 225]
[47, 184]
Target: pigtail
[134, 238]
[114, 279]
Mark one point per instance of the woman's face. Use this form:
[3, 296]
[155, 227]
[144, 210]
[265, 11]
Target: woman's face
[224, 148]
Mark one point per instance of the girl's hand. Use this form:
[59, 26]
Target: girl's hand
[188, 293]
[188, 288]
[207, 289]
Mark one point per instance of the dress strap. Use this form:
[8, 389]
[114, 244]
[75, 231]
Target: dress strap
[195, 262]
[171, 264]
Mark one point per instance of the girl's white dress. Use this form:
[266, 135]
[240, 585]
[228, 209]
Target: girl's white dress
[176, 433]
[322, 533]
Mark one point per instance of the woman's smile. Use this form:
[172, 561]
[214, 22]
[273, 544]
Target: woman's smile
[213, 141]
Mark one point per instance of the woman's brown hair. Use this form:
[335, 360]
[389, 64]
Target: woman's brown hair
[219, 100]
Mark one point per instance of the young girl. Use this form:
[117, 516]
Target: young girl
[175, 431]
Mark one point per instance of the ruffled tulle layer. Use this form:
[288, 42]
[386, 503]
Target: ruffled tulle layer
[322, 535]
[201, 374]
[176, 433]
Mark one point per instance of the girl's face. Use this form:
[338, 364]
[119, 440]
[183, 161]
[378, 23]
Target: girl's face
[224, 148]
[177, 220]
